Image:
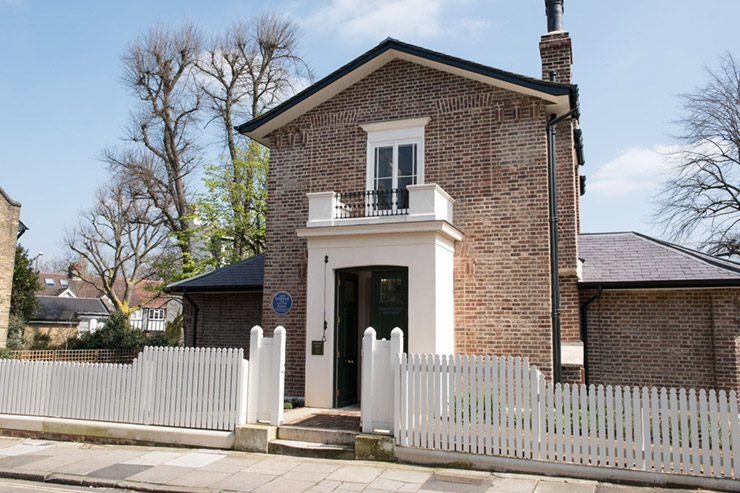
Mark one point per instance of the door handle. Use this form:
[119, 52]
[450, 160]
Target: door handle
[350, 361]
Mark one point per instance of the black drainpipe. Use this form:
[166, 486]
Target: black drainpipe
[195, 315]
[584, 329]
[554, 281]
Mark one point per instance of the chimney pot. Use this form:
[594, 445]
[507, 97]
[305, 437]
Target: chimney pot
[554, 11]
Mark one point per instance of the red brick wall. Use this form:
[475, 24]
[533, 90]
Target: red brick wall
[224, 319]
[666, 338]
[486, 147]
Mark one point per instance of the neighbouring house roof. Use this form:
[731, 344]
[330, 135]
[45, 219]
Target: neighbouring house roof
[82, 289]
[634, 260]
[67, 310]
[562, 96]
[245, 275]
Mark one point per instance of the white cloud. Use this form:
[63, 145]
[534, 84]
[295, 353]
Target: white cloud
[634, 170]
[374, 20]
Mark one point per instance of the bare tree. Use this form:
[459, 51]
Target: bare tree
[118, 239]
[702, 196]
[246, 70]
[158, 68]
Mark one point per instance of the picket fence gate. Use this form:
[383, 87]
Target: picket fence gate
[504, 407]
[203, 388]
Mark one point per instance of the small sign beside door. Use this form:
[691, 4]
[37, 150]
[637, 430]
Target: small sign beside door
[282, 302]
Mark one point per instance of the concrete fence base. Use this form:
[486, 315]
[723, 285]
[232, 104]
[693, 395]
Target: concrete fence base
[442, 458]
[51, 428]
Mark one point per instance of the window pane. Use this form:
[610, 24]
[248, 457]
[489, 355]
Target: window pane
[407, 160]
[383, 162]
[384, 196]
[391, 290]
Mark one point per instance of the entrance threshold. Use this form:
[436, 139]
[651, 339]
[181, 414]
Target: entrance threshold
[345, 419]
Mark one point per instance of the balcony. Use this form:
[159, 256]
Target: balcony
[416, 203]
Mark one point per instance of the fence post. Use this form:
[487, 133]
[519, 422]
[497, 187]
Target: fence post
[255, 343]
[395, 362]
[241, 409]
[368, 348]
[278, 377]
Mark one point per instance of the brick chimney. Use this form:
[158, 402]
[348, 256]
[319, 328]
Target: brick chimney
[555, 47]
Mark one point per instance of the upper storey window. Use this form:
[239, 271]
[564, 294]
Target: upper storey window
[395, 160]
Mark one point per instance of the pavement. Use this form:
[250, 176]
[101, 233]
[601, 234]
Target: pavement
[47, 463]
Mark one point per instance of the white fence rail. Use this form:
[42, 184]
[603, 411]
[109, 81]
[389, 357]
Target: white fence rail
[504, 407]
[201, 388]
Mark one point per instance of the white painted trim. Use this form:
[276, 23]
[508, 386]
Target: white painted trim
[395, 133]
[396, 124]
[385, 228]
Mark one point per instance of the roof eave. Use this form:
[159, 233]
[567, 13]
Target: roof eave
[663, 284]
[210, 289]
[559, 96]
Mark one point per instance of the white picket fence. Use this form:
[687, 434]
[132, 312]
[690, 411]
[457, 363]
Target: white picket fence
[203, 388]
[504, 407]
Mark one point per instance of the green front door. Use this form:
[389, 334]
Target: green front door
[389, 304]
[346, 361]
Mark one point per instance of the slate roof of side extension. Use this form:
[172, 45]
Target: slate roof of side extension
[245, 275]
[407, 51]
[54, 309]
[634, 260]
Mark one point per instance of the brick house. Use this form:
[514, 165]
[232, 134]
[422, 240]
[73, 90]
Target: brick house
[410, 188]
[153, 312]
[10, 211]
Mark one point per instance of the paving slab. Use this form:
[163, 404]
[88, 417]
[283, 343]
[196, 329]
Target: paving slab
[118, 471]
[199, 478]
[547, 486]
[406, 475]
[284, 485]
[195, 459]
[355, 474]
[159, 474]
[154, 458]
[244, 481]
[513, 485]
[20, 460]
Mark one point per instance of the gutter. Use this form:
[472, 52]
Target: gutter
[553, 203]
[195, 315]
[584, 329]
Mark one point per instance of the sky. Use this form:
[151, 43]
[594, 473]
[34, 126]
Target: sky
[62, 100]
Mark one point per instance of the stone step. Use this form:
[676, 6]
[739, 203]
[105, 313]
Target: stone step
[311, 449]
[317, 435]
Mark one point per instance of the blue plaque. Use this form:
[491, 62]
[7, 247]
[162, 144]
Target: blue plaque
[282, 302]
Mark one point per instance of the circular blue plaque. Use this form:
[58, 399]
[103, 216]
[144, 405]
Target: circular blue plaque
[282, 302]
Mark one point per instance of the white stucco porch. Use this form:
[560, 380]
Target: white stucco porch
[422, 241]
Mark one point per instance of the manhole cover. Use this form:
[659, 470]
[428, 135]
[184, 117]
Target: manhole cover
[455, 484]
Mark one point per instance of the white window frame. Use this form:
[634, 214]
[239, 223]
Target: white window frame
[395, 133]
[50, 282]
[157, 314]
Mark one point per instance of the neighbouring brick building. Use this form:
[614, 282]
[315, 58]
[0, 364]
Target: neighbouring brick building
[10, 211]
[410, 188]
[660, 315]
[223, 305]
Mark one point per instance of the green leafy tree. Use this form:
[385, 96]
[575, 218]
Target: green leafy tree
[117, 333]
[233, 208]
[23, 302]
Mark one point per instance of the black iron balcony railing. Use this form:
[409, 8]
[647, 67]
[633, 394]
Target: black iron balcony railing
[368, 203]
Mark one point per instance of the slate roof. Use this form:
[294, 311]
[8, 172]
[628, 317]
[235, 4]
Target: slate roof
[245, 275]
[54, 309]
[634, 260]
